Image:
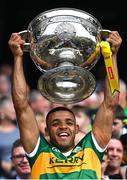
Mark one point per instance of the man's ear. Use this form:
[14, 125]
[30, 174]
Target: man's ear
[77, 128]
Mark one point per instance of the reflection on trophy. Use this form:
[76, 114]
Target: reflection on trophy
[64, 45]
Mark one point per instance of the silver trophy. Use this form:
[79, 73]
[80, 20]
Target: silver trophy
[64, 45]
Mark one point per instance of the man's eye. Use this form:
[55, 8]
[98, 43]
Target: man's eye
[55, 124]
[70, 123]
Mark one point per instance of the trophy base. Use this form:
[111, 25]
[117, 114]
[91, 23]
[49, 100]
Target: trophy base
[66, 85]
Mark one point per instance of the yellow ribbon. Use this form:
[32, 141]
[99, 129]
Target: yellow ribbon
[107, 54]
[94, 55]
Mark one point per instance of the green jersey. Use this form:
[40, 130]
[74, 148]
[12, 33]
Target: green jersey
[84, 162]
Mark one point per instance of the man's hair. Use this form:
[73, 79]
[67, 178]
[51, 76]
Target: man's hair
[33, 95]
[119, 112]
[61, 108]
[16, 144]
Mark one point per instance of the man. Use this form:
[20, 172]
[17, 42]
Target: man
[83, 121]
[4, 85]
[118, 127]
[38, 103]
[61, 159]
[115, 151]
[20, 162]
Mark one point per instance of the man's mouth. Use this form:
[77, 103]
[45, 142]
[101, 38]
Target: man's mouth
[63, 135]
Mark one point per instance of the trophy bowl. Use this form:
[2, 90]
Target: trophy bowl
[64, 45]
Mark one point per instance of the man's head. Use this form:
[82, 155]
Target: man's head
[7, 111]
[62, 128]
[114, 154]
[118, 124]
[4, 85]
[82, 118]
[38, 102]
[20, 161]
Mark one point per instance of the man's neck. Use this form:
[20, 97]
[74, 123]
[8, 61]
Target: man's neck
[24, 176]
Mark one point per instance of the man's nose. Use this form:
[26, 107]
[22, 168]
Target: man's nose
[115, 152]
[63, 125]
[24, 159]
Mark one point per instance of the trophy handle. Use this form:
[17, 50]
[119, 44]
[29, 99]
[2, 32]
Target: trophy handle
[104, 34]
[24, 36]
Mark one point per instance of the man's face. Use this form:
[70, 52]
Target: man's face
[20, 162]
[83, 121]
[40, 104]
[62, 129]
[117, 127]
[115, 153]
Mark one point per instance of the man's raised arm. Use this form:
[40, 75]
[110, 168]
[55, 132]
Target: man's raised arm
[29, 131]
[102, 127]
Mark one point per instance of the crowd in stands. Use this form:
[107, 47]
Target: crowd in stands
[13, 162]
